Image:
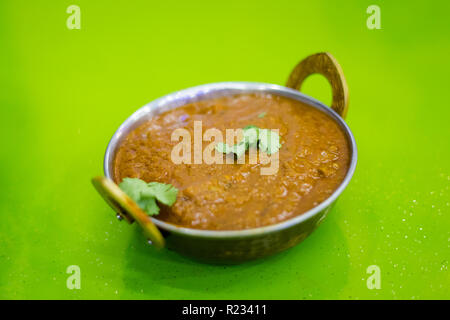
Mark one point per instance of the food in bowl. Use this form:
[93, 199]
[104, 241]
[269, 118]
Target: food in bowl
[314, 159]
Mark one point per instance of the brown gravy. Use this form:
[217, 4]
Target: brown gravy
[313, 161]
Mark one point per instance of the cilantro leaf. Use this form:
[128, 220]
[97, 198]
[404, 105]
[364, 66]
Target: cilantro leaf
[269, 141]
[133, 187]
[146, 194]
[262, 115]
[224, 148]
[251, 134]
[148, 204]
[240, 148]
[164, 193]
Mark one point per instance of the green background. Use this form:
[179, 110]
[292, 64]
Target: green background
[64, 92]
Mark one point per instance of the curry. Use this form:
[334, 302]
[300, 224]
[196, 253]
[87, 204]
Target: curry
[313, 161]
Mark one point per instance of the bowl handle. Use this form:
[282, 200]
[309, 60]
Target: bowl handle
[325, 64]
[127, 208]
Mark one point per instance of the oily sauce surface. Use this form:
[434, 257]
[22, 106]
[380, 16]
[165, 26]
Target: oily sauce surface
[313, 161]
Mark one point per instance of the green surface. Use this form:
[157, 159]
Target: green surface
[64, 92]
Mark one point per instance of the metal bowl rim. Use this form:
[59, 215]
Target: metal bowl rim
[244, 87]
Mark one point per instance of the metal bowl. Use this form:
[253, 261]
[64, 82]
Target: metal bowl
[237, 245]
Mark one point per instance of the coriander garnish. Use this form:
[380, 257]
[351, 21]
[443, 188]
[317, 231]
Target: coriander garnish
[267, 141]
[145, 194]
[262, 114]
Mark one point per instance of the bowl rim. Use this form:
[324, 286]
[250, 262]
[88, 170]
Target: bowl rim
[196, 93]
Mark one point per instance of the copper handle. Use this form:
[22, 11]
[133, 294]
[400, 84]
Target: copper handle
[127, 208]
[325, 64]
